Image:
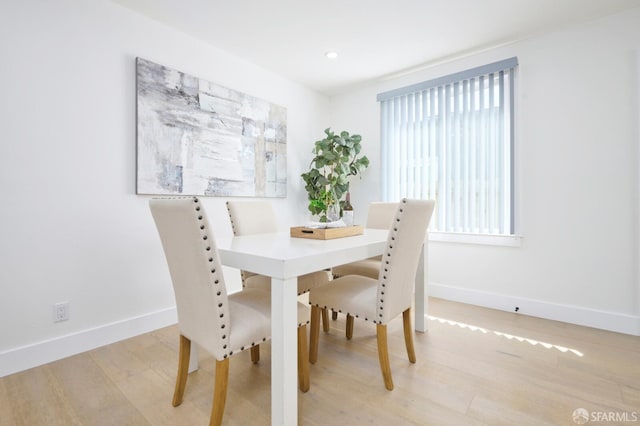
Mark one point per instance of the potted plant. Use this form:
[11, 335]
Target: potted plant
[336, 159]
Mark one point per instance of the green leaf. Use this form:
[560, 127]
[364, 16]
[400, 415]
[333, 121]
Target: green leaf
[320, 162]
[329, 157]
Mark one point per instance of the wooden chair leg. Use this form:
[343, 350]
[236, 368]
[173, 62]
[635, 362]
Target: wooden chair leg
[334, 315]
[349, 330]
[408, 335]
[255, 354]
[219, 392]
[183, 370]
[314, 334]
[303, 360]
[325, 320]
[383, 355]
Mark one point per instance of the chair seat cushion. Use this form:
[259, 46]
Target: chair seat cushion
[367, 267]
[250, 312]
[250, 319]
[305, 282]
[352, 294]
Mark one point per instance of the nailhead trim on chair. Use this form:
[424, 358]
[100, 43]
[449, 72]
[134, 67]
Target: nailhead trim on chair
[216, 280]
[383, 284]
[233, 227]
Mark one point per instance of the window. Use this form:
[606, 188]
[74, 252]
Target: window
[451, 139]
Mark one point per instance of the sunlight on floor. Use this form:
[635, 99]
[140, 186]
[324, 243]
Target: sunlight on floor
[507, 336]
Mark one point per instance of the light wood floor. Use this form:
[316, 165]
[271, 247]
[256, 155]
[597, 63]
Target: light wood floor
[475, 366]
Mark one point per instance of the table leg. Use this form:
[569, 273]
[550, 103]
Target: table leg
[284, 354]
[421, 302]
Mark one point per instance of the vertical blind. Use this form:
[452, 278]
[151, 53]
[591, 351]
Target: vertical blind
[451, 139]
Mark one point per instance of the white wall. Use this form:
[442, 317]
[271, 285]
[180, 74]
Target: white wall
[72, 228]
[577, 179]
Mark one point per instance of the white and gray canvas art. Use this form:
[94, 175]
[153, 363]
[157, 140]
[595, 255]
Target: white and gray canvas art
[199, 138]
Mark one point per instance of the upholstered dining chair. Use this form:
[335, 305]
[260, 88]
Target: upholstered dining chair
[258, 217]
[220, 323]
[379, 216]
[381, 300]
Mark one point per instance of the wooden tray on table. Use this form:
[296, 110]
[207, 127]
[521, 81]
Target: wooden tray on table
[326, 233]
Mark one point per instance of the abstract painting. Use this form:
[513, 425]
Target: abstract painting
[199, 138]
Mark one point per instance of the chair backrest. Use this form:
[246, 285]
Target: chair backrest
[252, 217]
[399, 264]
[196, 273]
[380, 215]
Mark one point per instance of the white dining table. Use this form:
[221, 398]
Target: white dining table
[284, 258]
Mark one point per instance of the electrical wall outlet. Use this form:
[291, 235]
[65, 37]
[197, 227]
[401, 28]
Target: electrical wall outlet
[61, 311]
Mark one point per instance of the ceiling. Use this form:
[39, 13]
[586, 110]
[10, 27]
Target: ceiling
[373, 38]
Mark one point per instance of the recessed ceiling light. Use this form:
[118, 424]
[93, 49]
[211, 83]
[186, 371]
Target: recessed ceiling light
[331, 54]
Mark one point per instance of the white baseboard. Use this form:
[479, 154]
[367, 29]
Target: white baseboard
[611, 321]
[33, 355]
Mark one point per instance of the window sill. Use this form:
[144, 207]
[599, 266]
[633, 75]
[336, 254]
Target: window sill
[492, 240]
